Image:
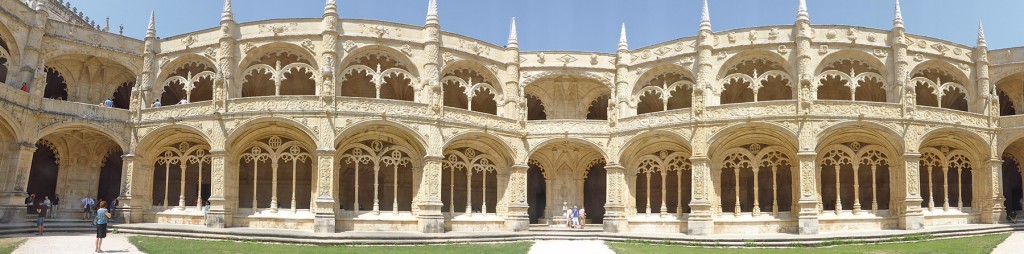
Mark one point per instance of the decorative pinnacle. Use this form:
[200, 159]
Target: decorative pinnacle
[897, 20]
[705, 17]
[151, 31]
[801, 11]
[513, 35]
[331, 8]
[227, 14]
[432, 18]
[981, 35]
[623, 45]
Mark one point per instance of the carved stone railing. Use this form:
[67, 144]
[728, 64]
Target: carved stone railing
[752, 109]
[177, 111]
[472, 118]
[655, 119]
[86, 111]
[1014, 121]
[856, 109]
[567, 127]
[950, 116]
[291, 103]
[13, 95]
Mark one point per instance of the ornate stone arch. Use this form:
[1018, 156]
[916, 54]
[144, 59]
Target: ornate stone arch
[767, 132]
[262, 127]
[1012, 87]
[853, 70]
[493, 144]
[977, 146]
[170, 134]
[11, 48]
[578, 141]
[188, 73]
[90, 79]
[414, 138]
[675, 87]
[754, 70]
[475, 83]
[931, 88]
[574, 100]
[106, 132]
[379, 72]
[868, 131]
[266, 68]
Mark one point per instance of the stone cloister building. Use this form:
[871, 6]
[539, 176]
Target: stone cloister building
[331, 125]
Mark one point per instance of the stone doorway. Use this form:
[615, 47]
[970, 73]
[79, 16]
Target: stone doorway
[1012, 184]
[594, 193]
[536, 193]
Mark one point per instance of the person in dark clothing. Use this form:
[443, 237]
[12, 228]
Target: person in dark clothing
[41, 218]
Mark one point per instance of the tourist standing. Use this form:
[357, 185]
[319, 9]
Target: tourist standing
[28, 202]
[575, 217]
[113, 208]
[568, 217]
[156, 104]
[86, 205]
[48, 204]
[206, 210]
[102, 216]
[24, 87]
[583, 217]
[41, 217]
[108, 103]
[56, 203]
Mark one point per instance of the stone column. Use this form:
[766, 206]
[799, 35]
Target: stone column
[130, 205]
[12, 204]
[910, 214]
[700, 221]
[324, 221]
[615, 204]
[990, 194]
[220, 208]
[808, 203]
[518, 218]
[431, 220]
[32, 57]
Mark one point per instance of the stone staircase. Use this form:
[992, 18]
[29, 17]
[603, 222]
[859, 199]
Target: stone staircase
[52, 225]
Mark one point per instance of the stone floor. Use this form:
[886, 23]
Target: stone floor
[567, 246]
[71, 243]
[1014, 244]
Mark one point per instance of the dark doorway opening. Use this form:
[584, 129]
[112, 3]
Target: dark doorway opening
[536, 189]
[594, 193]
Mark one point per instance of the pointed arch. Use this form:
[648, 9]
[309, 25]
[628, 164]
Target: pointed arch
[278, 69]
[663, 88]
[743, 77]
[852, 75]
[378, 72]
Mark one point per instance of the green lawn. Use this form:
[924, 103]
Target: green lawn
[159, 245]
[978, 244]
[7, 245]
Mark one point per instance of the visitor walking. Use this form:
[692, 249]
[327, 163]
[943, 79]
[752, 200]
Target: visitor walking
[102, 216]
[56, 204]
[48, 204]
[575, 217]
[87, 207]
[41, 217]
[568, 217]
[583, 217]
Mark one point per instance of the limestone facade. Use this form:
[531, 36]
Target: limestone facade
[331, 125]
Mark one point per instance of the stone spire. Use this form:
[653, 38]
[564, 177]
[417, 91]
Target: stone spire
[228, 14]
[432, 18]
[623, 45]
[801, 11]
[151, 31]
[897, 20]
[513, 35]
[705, 17]
[981, 35]
[331, 8]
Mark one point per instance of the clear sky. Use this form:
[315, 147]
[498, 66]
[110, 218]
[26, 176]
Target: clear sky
[588, 25]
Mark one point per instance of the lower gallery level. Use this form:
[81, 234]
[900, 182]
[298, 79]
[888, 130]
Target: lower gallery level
[383, 176]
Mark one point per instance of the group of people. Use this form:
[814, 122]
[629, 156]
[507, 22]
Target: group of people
[575, 217]
[34, 202]
[89, 206]
[157, 103]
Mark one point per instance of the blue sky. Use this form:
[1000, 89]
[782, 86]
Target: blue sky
[588, 25]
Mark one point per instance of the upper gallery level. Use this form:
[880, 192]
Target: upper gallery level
[329, 57]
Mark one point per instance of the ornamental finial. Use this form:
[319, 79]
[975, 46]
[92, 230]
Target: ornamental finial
[151, 31]
[981, 35]
[897, 20]
[623, 45]
[513, 36]
[432, 18]
[227, 14]
[801, 11]
[331, 8]
[705, 17]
